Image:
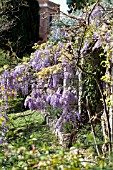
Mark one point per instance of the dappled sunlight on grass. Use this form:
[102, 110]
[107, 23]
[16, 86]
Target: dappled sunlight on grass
[28, 128]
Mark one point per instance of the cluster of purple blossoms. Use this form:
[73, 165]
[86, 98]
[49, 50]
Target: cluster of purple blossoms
[45, 91]
[96, 15]
[97, 12]
[85, 47]
[11, 82]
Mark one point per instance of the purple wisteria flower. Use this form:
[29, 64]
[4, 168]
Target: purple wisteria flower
[72, 99]
[55, 80]
[56, 55]
[98, 44]
[23, 78]
[8, 82]
[54, 100]
[74, 120]
[63, 115]
[46, 51]
[61, 127]
[6, 74]
[96, 15]
[97, 12]
[67, 119]
[34, 86]
[95, 36]
[37, 55]
[38, 66]
[66, 75]
[27, 100]
[85, 47]
[1, 141]
[59, 90]
[34, 64]
[45, 62]
[19, 69]
[66, 34]
[49, 46]
[60, 45]
[78, 114]
[26, 89]
[57, 33]
[50, 84]
[48, 99]
[34, 94]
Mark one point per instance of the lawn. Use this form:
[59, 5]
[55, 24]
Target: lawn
[28, 134]
[32, 145]
[27, 128]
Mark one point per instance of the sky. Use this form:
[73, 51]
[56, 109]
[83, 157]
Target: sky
[63, 5]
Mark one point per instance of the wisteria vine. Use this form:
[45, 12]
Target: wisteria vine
[51, 75]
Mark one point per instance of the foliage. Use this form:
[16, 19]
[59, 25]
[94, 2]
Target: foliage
[7, 60]
[76, 4]
[33, 146]
[19, 26]
[67, 74]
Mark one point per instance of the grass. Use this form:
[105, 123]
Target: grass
[27, 128]
[27, 136]
[31, 145]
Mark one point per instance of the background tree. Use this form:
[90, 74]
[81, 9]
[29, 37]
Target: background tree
[19, 25]
[78, 4]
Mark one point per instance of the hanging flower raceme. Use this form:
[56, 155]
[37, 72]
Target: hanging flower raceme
[96, 16]
[44, 75]
[11, 82]
[56, 80]
[85, 47]
[97, 12]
